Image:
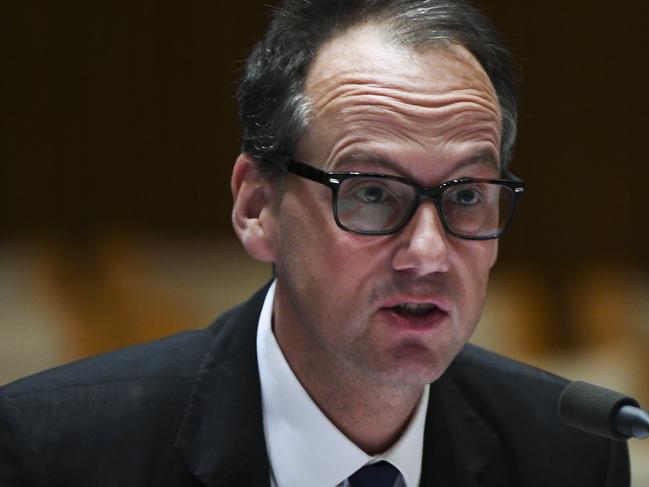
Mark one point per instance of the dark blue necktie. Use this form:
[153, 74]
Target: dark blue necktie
[379, 474]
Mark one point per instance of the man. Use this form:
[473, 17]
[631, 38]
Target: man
[377, 138]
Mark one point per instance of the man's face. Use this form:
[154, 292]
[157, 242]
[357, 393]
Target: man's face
[429, 116]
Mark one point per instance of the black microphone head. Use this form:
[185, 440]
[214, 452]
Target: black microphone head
[592, 409]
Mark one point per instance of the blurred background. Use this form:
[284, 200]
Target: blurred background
[118, 132]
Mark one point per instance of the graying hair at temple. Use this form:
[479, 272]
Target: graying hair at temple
[273, 110]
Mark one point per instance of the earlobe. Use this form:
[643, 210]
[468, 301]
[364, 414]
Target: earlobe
[252, 211]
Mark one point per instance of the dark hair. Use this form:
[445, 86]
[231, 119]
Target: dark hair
[273, 110]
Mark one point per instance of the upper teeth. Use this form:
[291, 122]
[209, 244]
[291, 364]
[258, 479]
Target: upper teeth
[415, 306]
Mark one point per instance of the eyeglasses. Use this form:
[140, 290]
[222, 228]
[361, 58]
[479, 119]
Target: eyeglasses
[381, 204]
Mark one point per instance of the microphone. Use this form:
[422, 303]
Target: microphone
[602, 412]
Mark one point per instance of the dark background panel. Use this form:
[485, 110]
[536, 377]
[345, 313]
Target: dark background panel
[120, 114]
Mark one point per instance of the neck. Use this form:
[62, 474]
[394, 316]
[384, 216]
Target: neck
[372, 416]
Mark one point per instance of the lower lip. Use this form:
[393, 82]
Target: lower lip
[415, 324]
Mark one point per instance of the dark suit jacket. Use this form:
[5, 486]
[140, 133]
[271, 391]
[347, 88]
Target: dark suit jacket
[186, 411]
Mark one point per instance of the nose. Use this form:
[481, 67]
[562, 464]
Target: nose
[424, 245]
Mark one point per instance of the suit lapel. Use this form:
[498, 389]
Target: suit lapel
[460, 449]
[221, 439]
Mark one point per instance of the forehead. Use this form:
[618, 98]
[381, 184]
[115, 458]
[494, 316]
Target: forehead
[367, 49]
[363, 82]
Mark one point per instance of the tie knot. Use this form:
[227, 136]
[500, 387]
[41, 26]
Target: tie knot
[379, 474]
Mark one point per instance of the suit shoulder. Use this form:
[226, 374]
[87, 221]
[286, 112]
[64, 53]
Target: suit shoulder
[513, 397]
[153, 366]
[176, 357]
[135, 396]
[519, 403]
[497, 369]
[500, 386]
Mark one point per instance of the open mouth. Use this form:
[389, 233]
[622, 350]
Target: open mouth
[415, 310]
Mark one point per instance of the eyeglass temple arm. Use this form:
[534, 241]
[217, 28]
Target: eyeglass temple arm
[287, 164]
[519, 190]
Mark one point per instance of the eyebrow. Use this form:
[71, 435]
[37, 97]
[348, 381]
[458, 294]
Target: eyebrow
[370, 159]
[485, 157]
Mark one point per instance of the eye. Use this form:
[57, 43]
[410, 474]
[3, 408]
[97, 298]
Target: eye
[372, 194]
[466, 196]
[378, 192]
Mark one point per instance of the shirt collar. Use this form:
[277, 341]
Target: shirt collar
[304, 447]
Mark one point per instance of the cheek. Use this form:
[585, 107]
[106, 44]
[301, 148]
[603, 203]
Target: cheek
[474, 262]
[344, 260]
[309, 254]
[493, 252]
[308, 230]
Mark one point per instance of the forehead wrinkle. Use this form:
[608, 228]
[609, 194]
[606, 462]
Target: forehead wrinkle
[330, 93]
[362, 125]
[360, 137]
[460, 122]
[467, 126]
[459, 114]
[440, 112]
[353, 149]
[351, 139]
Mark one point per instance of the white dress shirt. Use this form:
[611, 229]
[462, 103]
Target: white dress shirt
[304, 447]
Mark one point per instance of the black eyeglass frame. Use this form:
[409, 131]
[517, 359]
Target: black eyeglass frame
[334, 179]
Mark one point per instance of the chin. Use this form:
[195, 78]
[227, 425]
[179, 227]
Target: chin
[414, 366]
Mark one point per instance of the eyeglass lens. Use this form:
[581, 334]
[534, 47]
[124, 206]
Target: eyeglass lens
[473, 209]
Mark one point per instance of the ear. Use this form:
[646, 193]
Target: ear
[253, 217]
